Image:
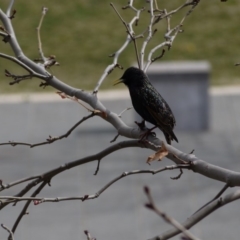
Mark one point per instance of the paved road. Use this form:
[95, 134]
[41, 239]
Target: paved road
[119, 213]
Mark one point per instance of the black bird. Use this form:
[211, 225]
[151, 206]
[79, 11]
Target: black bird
[148, 102]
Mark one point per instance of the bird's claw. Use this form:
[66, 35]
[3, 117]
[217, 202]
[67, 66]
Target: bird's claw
[153, 134]
[141, 125]
[146, 134]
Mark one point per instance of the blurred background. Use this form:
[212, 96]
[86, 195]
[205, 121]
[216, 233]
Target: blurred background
[82, 34]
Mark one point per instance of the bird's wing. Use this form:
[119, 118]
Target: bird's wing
[164, 118]
[159, 109]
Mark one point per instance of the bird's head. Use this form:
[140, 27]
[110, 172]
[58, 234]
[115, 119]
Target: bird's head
[132, 77]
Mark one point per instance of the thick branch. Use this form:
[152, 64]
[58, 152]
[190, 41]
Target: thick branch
[229, 177]
[214, 172]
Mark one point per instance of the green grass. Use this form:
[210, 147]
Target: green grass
[82, 33]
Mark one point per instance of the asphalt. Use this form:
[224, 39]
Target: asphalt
[119, 213]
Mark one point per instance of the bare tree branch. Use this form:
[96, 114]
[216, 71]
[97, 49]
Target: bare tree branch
[32, 73]
[3, 34]
[152, 206]
[169, 14]
[201, 214]
[24, 210]
[46, 61]
[51, 173]
[11, 237]
[50, 139]
[129, 27]
[197, 165]
[89, 237]
[130, 37]
[126, 109]
[91, 99]
[150, 34]
[211, 171]
[226, 186]
[8, 12]
[39, 200]
[44, 12]
[171, 33]
[9, 185]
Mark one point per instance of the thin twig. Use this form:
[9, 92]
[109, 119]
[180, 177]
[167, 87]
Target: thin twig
[44, 12]
[169, 14]
[158, 57]
[171, 33]
[24, 210]
[156, 4]
[150, 34]
[178, 176]
[13, 14]
[11, 237]
[152, 206]
[39, 200]
[30, 70]
[8, 12]
[116, 54]
[75, 99]
[89, 237]
[226, 186]
[3, 34]
[53, 172]
[98, 167]
[115, 138]
[126, 109]
[9, 185]
[201, 214]
[129, 31]
[17, 78]
[50, 139]
[150, 59]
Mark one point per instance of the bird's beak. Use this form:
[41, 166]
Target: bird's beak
[117, 82]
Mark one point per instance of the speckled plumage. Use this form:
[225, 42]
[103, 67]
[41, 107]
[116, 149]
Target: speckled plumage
[148, 102]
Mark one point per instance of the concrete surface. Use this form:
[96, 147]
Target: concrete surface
[188, 82]
[119, 213]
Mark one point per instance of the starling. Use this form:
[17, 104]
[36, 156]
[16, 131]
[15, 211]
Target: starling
[148, 103]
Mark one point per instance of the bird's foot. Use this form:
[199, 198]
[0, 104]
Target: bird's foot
[143, 137]
[141, 125]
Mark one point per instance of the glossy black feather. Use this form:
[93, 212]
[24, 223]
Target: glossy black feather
[148, 102]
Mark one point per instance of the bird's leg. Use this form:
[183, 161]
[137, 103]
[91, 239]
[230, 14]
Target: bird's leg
[141, 125]
[145, 135]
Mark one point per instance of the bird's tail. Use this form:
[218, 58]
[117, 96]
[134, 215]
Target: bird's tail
[174, 137]
[170, 137]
